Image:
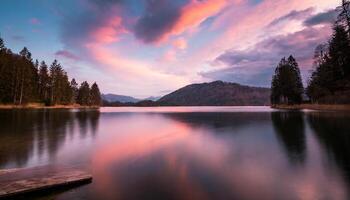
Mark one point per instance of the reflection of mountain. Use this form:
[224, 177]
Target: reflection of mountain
[333, 131]
[39, 133]
[289, 127]
[221, 120]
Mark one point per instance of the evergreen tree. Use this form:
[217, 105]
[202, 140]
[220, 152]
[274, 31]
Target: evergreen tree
[95, 95]
[26, 54]
[321, 79]
[344, 16]
[67, 92]
[84, 94]
[36, 64]
[2, 44]
[339, 53]
[275, 89]
[44, 82]
[331, 78]
[24, 81]
[75, 89]
[26, 78]
[286, 86]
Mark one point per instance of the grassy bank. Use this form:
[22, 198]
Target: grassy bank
[325, 107]
[42, 106]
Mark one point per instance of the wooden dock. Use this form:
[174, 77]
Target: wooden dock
[16, 182]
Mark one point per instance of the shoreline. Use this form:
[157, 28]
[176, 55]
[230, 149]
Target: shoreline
[40, 106]
[320, 107]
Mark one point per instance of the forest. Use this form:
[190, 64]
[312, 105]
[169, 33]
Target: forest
[330, 80]
[24, 81]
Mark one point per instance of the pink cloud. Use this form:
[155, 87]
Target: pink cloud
[193, 14]
[180, 43]
[169, 56]
[196, 12]
[110, 31]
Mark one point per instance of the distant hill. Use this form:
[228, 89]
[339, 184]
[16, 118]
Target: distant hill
[119, 98]
[217, 93]
[115, 98]
[152, 98]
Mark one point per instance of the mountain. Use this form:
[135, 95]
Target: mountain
[152, 98]
[119, 98]
[217, 93]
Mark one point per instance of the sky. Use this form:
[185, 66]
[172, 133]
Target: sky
[147, 48]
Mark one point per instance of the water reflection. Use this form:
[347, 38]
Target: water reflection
[35, 137]
[290, 131]
[187, 155]
[235, 120]
[333, 132]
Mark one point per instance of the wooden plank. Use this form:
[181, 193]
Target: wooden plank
[19, 182]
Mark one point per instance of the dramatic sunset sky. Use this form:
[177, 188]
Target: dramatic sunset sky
[151, 47]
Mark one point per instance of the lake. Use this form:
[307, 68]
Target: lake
[186, 152]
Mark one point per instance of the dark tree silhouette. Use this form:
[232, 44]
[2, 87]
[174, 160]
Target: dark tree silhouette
[44, 81]
[23, 81]
[344, 16]
[330, 81]
[84, 94]
[2, 44]
[75, 90]
[95, 95]
[286, 86]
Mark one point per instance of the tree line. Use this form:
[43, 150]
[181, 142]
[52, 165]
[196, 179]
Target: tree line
[330, 80]
[23, 81]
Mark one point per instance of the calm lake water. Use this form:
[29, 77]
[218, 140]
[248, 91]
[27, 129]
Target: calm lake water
[186, 153]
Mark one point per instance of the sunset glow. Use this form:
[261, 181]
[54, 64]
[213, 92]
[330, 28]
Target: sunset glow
[150, 47]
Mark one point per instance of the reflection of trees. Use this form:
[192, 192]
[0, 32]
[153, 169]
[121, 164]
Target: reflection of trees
[289, 127]
[82, 119]
[28, 133]
[85, 119]
[333, 131]
[94, 120]
[15, 128]
[233, 120]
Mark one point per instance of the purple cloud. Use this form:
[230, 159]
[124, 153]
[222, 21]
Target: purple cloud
[159, 18]
[293, 15]
[255, 66]
[67, 54]
[327, 17]
[18, 38]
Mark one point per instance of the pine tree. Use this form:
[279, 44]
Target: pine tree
[298, 88]
[24, 81]
[84, 94]
[275, 89]
[344, 16]
[332, 74]
[75, 89]
[2, 44]
[286, 86]
[44, 81]
[26, 54]
[27, 75]
[321, 79]
[95, 95]
[339, 54]
[67, 92]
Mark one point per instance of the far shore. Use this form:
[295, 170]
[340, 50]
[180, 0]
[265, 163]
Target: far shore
[323, 107]
[42, 106]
